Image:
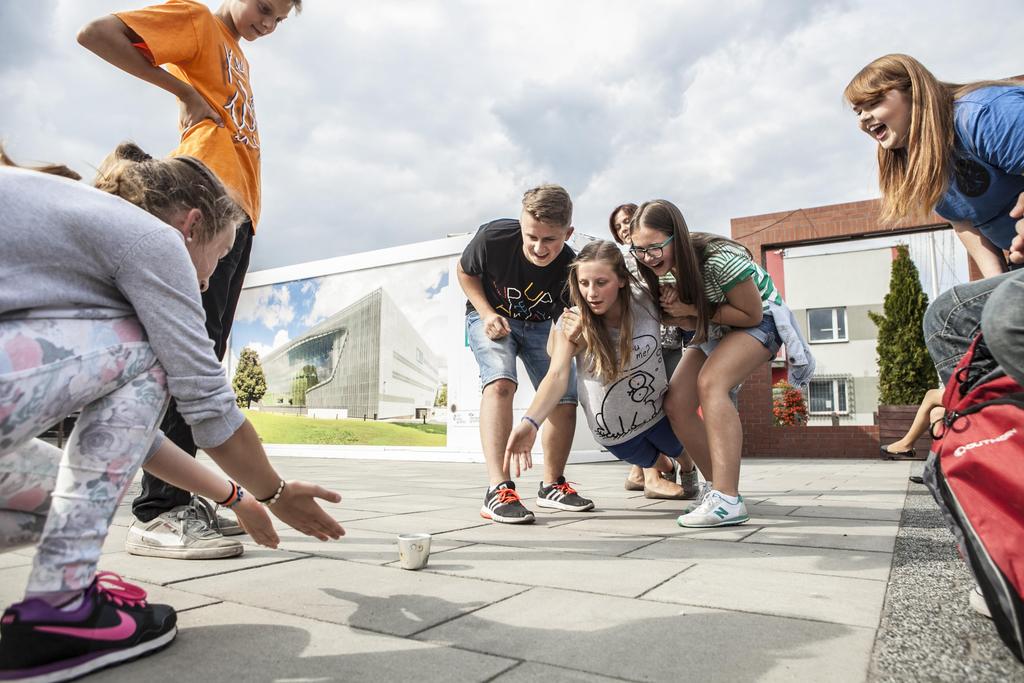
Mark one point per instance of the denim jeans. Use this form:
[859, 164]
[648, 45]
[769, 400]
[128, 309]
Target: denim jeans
[994, 306]
[526, 341]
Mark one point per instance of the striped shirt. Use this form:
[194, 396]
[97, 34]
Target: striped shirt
[725, 266]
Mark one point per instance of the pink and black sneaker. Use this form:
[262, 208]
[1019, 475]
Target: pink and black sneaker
[114, 624]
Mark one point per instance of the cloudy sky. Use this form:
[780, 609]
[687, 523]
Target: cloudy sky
[385, 122]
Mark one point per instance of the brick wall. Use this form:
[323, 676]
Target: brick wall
[817, 225]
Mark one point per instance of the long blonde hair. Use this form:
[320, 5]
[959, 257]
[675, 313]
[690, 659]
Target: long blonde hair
[913, 179]
[602, 359]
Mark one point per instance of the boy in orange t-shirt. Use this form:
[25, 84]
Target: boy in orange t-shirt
[207, 71]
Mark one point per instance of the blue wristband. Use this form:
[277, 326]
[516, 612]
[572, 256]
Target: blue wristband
[527, 418]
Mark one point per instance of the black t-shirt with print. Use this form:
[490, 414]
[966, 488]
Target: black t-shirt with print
[513, 286]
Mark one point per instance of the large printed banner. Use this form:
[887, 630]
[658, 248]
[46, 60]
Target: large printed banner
[365, 344]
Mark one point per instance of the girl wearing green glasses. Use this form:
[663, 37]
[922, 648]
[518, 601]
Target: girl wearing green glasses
[711, 284]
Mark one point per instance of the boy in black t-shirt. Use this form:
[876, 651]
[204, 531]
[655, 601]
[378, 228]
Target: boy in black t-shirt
[514, 274]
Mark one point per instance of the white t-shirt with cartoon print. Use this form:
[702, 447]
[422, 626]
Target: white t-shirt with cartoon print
[632, 403]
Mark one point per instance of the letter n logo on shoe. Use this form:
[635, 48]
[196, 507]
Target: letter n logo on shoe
[721, 513]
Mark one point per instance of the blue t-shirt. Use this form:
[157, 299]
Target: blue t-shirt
[989, 161]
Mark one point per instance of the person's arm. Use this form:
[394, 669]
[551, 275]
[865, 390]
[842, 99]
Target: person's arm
[495, 324]
[550, 390]
[243, 459]
[159, 281]
[175, 466]
[112, 40]
[987, 256]
[742, 307]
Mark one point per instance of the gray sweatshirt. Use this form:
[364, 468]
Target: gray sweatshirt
[68, 250]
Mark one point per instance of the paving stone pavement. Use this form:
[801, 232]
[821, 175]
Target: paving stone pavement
[620, 593]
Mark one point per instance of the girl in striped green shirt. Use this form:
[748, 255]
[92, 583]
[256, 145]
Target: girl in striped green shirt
[723, 295]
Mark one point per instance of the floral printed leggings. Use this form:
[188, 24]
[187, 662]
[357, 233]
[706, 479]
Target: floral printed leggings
[50, 368]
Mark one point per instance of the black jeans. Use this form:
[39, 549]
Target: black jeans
[219, 301]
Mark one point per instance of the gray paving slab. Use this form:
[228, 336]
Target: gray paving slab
[228, 642]
[859, 564]
[531, 672]
[553, 538]
[847, 534]
[164, 571]
[380, 599]
[533, 567]
[611, 636]
[839, 600]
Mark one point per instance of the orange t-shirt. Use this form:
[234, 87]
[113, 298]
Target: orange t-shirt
[197, 47]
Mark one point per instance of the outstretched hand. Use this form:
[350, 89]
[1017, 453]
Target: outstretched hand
[254, 519]
[517, 450]
[298, 508]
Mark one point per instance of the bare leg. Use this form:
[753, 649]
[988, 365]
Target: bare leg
[922, 421]
[557, 441]
[735, 357]
[681, 403]
[495, 426]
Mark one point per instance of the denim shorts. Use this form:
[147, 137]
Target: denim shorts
[765, 332]
[528, 341]
[643, 450]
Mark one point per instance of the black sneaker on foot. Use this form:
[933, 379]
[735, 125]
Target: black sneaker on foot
[562, 496]
[504, 505]
[113, 625]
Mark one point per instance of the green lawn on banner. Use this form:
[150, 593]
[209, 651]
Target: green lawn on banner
[276, 428]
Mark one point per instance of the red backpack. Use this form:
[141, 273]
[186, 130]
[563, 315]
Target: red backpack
[976, 473]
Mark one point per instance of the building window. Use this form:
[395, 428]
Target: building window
[828, 396]
[827, 324]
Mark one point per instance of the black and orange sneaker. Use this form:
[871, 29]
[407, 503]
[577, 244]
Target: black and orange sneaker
[113, 625]
[503, 505]
[562, 496]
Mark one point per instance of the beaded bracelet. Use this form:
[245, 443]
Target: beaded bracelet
[527, 418]
[233, 498]
[274, 498]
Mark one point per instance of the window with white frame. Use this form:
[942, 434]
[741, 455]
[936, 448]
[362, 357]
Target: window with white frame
[828, 396]
[827, 324]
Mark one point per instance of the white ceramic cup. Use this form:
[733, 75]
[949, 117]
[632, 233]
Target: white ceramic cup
[413, 550]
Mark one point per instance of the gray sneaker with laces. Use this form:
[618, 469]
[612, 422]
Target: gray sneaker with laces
[207, 511]
[180, 534]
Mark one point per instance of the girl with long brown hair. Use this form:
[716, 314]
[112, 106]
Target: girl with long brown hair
[732, 306]
[956, 149]
[620, 371]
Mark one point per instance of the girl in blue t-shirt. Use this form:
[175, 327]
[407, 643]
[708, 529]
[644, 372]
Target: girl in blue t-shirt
[955, 149]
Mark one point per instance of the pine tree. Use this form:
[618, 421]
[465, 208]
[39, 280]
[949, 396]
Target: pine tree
[249, 383]
[905, 370]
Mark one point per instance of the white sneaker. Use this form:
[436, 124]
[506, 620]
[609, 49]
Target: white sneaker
[207, 511]
[715, 510]
[705, 489]
[977, 602]
[179, 535]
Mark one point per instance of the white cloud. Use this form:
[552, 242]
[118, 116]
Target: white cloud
[386, 122]
[270, 306]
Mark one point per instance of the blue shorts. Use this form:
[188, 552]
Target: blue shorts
[643, 450]
[527, 341]
[765, 332]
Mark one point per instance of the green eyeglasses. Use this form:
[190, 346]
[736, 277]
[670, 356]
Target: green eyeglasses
[653, 251]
